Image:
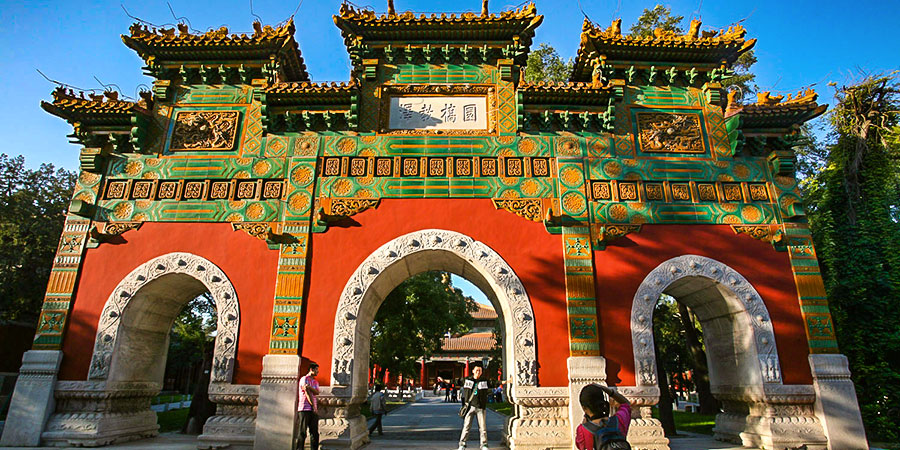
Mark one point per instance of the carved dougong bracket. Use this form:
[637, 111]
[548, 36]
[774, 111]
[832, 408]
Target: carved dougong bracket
[333, 210]
[108, 232]
[264, 231]
[603, 234]
[529, 208]
[773, 234]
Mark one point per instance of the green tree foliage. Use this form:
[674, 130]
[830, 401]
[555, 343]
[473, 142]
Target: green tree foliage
[191, 343]
[192, 335]
[853, 214]
[545, 64]
[673, 358]
[414, 317]
[660, 17]
[32, 212]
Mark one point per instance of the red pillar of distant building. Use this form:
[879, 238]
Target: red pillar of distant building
[387, 377]
[422, 374]
[467, 368]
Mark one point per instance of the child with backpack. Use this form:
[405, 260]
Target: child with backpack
[600, 431]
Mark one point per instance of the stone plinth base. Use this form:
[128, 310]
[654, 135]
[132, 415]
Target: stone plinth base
[234, 425]
[781, 416]
[541, 420]
[836, 404]
[96, 413]
[340, 423]
[32, 400]
[277, 408]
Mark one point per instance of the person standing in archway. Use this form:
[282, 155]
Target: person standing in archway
[309, 409]
[474, 397]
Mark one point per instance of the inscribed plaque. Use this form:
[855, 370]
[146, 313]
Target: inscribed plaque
[438, 113]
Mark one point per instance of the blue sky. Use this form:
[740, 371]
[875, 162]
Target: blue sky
[800, 43]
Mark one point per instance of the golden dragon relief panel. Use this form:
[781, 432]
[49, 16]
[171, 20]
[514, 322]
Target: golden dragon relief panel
[204, 130]
[670, 132]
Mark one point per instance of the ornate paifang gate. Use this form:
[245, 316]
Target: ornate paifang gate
[639, 175]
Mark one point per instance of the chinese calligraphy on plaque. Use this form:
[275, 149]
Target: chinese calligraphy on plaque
[438, 113]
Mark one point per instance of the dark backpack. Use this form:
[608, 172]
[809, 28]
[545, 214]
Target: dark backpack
[608, 437]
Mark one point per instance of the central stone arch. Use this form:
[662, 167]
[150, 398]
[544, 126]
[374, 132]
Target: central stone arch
[386, 268]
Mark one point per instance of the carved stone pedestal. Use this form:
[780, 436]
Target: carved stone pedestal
[541, 420]
[340, 423]
[234, 424]
[583, 370]
[779, 416]
[32, 400]
[95, 413]
[836, 403]
[645, 432]
[277, 407]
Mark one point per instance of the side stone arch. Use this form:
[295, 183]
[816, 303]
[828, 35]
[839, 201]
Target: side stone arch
[743, 296]
[178, 263]
[516, 310]
[758, 410]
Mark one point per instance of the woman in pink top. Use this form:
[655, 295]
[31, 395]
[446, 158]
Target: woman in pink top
[596, 417]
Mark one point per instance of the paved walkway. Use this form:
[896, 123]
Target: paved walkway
[432, 424]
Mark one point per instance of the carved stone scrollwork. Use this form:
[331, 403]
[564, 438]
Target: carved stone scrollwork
[215, 281]
[360, 299]
[698, 266]
[475, 253]
[529, 208]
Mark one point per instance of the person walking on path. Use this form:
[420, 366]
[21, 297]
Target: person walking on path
[597, 422]
[474, 397]
[309, 408]
[378, 407]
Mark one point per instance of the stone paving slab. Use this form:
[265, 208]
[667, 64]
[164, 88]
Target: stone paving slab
[433, 421]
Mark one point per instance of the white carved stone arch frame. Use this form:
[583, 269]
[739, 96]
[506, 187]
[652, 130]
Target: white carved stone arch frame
[391, 264]
[206, 272]
[741, 296]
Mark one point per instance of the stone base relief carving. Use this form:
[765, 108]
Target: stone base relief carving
[277, 402]
[645, 432]
[583, 370]
[541, 420]
[836, 404]
[383, 270]
[773, 416]
[32, 400]
[340, 423]
[96, 413]
[234, 424]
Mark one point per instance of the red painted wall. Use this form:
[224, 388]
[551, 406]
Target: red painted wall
[247, 261]
[626, 262]
[534, 255]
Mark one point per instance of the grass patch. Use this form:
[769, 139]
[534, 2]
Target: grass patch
[692, 422]
[365, 411]
[160, 399]
[504, 408]
[172, 420]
